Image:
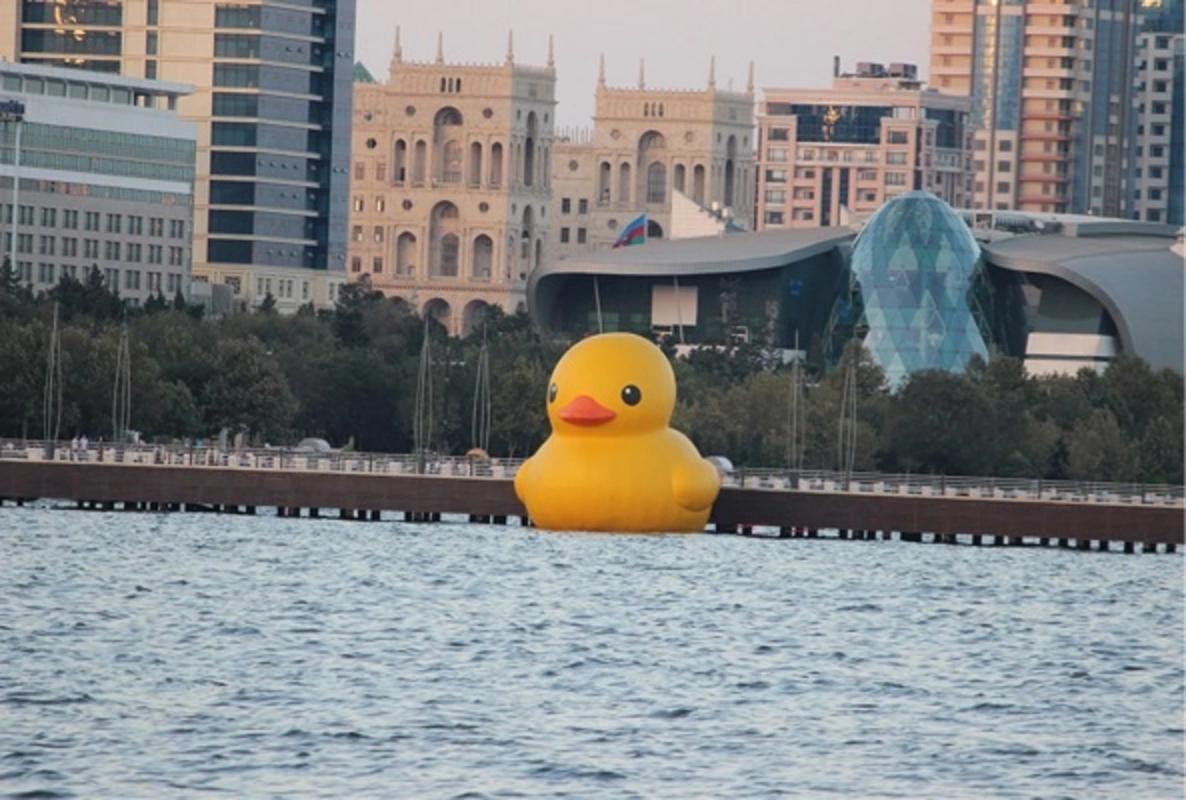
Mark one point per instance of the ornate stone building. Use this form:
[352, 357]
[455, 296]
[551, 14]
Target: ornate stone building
[450, 183]
[645, 144]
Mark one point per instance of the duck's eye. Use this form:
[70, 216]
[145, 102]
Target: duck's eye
[552, 391]
[631, 395]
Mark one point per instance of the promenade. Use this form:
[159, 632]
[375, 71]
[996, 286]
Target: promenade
[755, 502]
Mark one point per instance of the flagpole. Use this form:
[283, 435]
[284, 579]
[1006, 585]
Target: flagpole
[679, 313]
[597, 300]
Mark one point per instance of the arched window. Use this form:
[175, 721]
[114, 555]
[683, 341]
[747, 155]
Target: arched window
[657, 182]
[698, 184]
[419, 162]
[496, 164]
[401, 161]
[678, 176]
[730, 170]
[529, 151]
[444, 243]
[483, 260]
[624, 183]
[450, 253]
[475, 164]
[405, 254]
[603, 179]
[451, 163]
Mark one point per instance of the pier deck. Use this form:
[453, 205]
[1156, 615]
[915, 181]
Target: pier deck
[976, 511]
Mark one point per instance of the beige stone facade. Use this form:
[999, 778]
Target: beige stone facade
[870, 137]
[450, 183]
[646, 145]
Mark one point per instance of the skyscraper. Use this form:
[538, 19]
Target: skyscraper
[1159, 107]
[273, 107]
[1050, 87]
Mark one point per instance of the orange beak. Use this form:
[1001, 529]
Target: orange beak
[584, 410]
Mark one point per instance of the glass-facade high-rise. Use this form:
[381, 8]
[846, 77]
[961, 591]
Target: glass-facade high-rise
[273, 102]
[1051, 85]
[279, 136]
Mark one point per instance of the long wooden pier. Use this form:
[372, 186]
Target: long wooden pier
[785, 513]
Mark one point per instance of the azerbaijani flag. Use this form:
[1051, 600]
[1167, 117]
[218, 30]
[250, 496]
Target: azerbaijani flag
[634, 233]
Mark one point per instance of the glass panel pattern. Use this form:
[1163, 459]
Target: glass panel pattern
[915, 263]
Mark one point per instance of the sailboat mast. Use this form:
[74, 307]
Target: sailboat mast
[52, 408]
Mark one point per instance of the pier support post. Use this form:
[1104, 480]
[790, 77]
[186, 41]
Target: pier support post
[1130, 547]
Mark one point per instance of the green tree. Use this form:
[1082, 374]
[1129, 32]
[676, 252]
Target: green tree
[247, 392]
[1098, 450]
[940, 422]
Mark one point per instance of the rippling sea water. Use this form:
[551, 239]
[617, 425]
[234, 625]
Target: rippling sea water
[174, 656]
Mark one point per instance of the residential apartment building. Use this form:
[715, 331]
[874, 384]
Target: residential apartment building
[272, 102]
[645, 145]
[451, 183]
[874, 135]
[96, 173]
[1050, 82]
[1159, 108]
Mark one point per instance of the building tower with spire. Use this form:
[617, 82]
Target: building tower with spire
[645, 145]
[451, 182]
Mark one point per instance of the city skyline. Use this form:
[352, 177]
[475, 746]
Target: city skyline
[677, 59]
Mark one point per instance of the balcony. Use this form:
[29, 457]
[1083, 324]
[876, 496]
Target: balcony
[1043, 157]
[1043, 114]
[1046, 136]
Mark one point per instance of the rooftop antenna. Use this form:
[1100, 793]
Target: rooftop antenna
[551, 51]
[642, 73]
[510, 47]
[712, 72]
[601, 70]
[440, 47]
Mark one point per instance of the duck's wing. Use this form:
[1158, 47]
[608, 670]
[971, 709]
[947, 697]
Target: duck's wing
[522, 476]
[695, 483]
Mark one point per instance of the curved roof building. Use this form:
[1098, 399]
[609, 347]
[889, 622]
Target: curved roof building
[923, 288]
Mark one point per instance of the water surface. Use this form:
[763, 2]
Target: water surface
[183, 655]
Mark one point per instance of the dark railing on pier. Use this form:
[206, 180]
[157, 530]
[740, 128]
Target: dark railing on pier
[789, 505]
[505, 468]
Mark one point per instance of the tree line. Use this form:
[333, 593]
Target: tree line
[349, 375]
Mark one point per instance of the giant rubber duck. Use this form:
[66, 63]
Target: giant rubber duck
[612, 462]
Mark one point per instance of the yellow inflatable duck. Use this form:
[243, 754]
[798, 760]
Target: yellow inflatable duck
[612, 463]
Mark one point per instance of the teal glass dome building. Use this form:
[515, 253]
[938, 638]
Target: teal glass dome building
[917, 284]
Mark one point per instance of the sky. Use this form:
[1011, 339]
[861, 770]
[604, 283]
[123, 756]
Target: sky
[791, 42]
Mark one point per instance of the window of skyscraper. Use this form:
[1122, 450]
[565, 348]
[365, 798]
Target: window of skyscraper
[841, 124]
